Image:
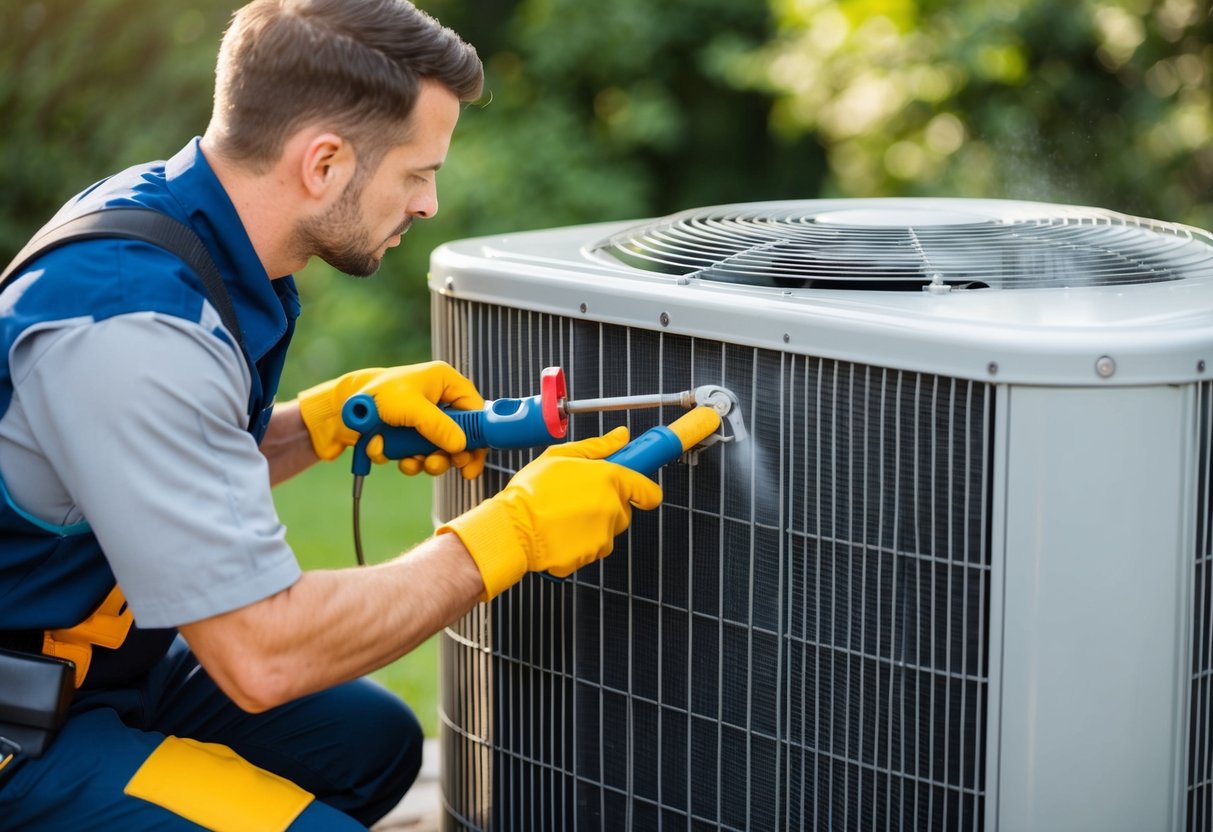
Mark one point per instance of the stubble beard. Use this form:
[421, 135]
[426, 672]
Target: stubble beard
[338, 237]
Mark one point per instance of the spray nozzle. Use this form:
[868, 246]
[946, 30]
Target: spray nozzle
[725, 402]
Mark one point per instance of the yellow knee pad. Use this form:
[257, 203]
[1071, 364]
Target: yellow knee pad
[216, 788]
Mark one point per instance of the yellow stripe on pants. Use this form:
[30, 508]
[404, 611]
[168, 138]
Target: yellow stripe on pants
[216, 788]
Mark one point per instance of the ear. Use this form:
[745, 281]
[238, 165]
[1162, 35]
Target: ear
[327, 164]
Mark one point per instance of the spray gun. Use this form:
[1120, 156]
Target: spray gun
[542, 420]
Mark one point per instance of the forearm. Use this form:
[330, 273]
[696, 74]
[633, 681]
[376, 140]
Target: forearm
[287, 446]
[333, 626]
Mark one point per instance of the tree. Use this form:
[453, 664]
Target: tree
[1102, 102]
[90, 88]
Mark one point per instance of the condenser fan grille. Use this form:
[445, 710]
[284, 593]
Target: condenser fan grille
[912, 244]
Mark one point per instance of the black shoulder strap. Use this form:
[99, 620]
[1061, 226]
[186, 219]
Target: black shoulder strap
[142, 224]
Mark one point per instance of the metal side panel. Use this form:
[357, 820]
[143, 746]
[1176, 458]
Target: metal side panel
[998, 539]
[1197, 800]
[1097, 582]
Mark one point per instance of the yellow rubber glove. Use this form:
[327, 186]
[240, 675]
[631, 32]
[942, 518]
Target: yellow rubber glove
[407, 395]
[557, 514]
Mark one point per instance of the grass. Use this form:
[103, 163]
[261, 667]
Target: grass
[316, 509]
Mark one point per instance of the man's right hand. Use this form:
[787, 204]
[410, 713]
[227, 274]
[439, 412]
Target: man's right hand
[557, 514]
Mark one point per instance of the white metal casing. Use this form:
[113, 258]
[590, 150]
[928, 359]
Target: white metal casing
[1155, 333]
[1095, 479]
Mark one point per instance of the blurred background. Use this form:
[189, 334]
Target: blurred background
[633, 109]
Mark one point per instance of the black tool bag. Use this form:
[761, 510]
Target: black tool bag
[35, 693]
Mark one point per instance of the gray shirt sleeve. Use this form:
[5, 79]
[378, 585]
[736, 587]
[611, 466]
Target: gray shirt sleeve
[137, 425]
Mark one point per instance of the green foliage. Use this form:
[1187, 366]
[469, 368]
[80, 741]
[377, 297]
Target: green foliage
[1102, 102]
[91, 88]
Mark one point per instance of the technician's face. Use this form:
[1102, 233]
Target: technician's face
[377, 207]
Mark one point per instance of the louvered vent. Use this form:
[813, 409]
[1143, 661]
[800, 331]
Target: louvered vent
[911, 245]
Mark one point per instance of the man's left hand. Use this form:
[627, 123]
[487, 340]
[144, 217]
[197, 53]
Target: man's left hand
[408, 396]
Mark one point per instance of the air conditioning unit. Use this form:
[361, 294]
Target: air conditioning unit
[959, 576]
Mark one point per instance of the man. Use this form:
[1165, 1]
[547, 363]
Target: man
[138, 446]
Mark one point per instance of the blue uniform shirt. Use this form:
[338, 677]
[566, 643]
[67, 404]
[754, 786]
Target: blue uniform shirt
[165, 494]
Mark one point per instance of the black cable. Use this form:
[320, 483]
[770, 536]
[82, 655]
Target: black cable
[358, 520]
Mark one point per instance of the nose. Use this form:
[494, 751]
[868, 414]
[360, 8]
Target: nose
[424, 203]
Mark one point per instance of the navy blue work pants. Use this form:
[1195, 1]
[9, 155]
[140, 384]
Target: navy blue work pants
[355, 747]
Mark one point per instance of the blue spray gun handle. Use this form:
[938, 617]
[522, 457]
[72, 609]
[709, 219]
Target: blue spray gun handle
[660, 445]
[650, 451]
[502, 423]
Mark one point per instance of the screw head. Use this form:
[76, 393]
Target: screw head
[584, 308]
[992, 368]
[1200, 366]
[665, 319]
[787, 338]
[1105, 367]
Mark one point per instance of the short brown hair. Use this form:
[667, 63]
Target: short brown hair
[357, 63]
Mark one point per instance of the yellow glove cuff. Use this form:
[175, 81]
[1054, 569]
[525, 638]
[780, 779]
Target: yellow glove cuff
[488, 533]
[321, 415]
